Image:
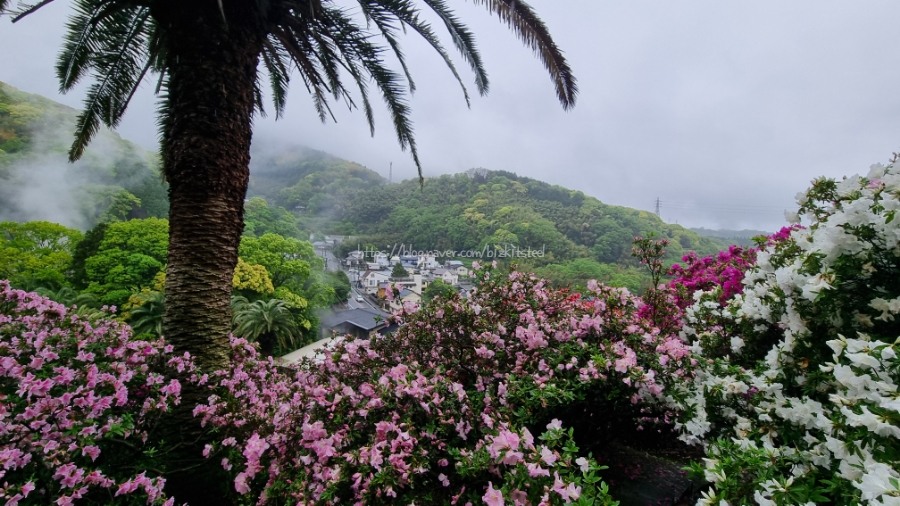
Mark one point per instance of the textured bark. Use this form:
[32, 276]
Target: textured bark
[206, 151]
[206, 156]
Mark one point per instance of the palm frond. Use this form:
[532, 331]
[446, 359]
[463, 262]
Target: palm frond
[309, 70]
[377, 12]
[534, 33]
[26, 9]
[120, 63]
[409, 15]
[464, 42]
[278, 66]
[355, 46]
[74, 59]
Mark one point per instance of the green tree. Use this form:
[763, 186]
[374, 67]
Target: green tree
[438, 288]
[36, 253]
[85, 249]
[288, 261]
[99, 203]
[340, 283]
[269, 322]
[260, 219]
[128, 258]
[251, 278]
[398, 271]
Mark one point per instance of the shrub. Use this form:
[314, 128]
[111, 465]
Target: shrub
[797, 390]
[444, 411]
[79, 399]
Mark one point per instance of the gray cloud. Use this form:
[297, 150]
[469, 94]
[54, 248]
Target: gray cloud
[723, 110]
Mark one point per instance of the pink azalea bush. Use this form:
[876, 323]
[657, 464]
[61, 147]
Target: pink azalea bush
[458, 406]
[79, 399]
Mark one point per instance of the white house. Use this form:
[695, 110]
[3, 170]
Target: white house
[428, 262]
[382, 260]
[371, 279]
[447, 276]
[458, 267]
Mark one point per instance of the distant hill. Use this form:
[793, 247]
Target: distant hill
[483, 208]
[577, 235]
[743, 237]
[37, 182]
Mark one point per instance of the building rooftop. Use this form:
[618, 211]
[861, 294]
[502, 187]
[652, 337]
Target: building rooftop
[366, 319]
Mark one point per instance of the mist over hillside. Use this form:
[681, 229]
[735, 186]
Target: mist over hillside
[37, 182]
[308, 191]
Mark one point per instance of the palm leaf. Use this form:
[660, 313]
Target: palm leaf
[406, 13]
[25, 10]
[278, 66]
[120, 64]
[464, 42]
[356, 47]
[534, 33]
[376, 11]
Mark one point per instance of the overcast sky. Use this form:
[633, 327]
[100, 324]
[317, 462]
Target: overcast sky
[722, 110]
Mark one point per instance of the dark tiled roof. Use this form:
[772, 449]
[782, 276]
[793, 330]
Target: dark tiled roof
[362, 318]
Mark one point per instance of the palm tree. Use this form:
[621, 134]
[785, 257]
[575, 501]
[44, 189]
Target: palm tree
[206, 54]
[148, 317]
[265, 321]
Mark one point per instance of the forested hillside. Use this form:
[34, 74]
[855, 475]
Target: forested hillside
[578, 237]
[115, 179]
[482, 208]
[316, 186]
[295, 191]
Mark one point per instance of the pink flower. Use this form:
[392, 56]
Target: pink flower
[493, 497]
[548, 456]
[240, 484]
[535, 470]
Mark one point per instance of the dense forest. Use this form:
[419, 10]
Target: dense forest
[578, 237]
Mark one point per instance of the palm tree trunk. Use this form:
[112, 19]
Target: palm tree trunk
[206, 154]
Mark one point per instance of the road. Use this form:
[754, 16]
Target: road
[332, 264]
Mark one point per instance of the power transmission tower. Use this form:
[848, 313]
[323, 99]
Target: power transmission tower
[391, 173]
[657, 207]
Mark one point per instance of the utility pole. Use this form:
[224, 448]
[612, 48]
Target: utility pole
[657, 207]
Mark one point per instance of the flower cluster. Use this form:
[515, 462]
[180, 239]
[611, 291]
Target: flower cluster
[78, 400]
[725, 270]
[443, 410]
[797, 389]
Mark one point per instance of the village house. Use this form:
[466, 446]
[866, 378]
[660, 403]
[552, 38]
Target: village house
[382, 260]
[370, 280]
[413, 282]
[358, 323]
[447, 276]
[428, 262]
[406, 295]
[458, 267]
